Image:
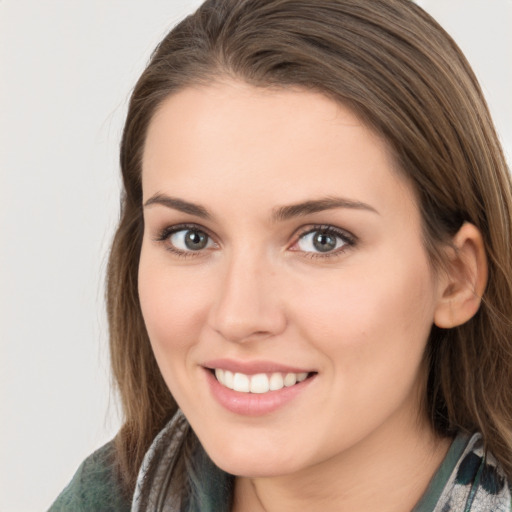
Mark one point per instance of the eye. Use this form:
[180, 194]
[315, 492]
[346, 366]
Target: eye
[185, 240]
[323, 240]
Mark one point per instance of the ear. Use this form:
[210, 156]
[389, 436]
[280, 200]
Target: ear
[463, 282]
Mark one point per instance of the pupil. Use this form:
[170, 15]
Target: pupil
[324, 242]
[195, 240]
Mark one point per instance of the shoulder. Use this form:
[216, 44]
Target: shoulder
[478, 481]
[95, 486]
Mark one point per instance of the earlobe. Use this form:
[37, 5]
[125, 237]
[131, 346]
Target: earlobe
[464, 280]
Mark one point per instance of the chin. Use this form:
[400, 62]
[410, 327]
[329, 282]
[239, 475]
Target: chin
[254, 468]
[253, 460]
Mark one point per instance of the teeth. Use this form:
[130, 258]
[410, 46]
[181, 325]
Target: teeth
[259, 383]
[242, 383]
[228, 379]
[276, 382]
[290, 379]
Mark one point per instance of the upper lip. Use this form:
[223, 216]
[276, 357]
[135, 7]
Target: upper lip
[253, 367]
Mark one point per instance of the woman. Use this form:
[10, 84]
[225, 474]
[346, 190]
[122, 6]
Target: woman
[309, 291]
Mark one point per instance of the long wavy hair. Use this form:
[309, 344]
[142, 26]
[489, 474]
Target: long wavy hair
[399, 71]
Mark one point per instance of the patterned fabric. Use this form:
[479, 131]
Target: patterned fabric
[211, 487]
[156, 469]
[477, 484]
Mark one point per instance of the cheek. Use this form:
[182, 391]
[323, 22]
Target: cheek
[378, 313]
[173, 304]
[373, 329]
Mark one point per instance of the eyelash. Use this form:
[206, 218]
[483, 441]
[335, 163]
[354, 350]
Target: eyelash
[347, 238]
[164, 234]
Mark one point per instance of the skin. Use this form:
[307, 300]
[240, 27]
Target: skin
[355, 438]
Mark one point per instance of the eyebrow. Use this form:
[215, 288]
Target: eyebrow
[319, 205]
[179, 205]
[280, 213]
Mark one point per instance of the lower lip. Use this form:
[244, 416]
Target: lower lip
[254, 404]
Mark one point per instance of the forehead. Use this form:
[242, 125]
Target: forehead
[285, 145]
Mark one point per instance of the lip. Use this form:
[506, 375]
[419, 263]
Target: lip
[253, 367]
[254, 404]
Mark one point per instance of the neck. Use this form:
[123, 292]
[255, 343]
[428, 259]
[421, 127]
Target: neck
[385, 472]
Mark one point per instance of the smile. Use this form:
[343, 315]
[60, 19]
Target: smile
[259, 383]
[256, 388]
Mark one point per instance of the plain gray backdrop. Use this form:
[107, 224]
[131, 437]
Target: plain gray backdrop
[66, 71]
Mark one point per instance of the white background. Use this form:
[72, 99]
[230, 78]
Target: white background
[66, 70]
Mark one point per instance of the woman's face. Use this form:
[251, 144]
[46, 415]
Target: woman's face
[282, 245]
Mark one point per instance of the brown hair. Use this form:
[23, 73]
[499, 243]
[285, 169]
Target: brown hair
[405, 77]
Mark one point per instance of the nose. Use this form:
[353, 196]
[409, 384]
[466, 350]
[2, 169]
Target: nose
[247, 305]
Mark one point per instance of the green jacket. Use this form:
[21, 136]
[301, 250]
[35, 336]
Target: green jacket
[95, 486]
